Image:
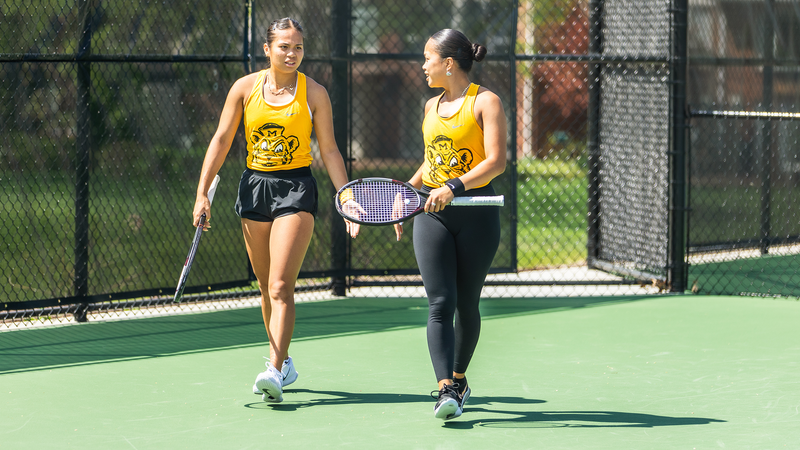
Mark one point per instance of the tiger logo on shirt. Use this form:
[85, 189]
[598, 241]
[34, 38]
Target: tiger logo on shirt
[271, 148]
[444, 161]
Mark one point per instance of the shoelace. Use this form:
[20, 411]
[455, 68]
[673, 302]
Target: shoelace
[444, 390]
[286, 361]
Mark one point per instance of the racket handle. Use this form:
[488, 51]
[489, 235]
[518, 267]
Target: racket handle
[493, 200]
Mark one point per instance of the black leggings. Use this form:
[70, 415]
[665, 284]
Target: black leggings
[454, 250]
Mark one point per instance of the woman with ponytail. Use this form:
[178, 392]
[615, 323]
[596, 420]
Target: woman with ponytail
[278, 197]
[464, 131]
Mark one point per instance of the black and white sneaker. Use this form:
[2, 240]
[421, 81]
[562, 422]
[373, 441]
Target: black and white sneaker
[448, 405]
[463, 390]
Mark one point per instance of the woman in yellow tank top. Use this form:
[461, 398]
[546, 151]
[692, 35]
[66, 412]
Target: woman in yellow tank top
[277, 194]
[464, 132]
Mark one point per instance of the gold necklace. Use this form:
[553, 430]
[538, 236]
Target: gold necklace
[281, 90]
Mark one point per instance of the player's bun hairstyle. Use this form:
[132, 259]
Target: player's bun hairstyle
[453, 44]
[281, 24]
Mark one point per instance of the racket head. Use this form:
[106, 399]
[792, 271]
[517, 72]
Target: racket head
[378, 201]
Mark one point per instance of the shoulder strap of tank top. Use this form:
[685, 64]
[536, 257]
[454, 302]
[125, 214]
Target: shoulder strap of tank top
[469, 99]
[255, 92]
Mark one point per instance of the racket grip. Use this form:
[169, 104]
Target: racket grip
[493, 200]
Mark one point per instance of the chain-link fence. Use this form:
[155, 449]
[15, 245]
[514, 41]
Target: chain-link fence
[107, 107]
[744, 83]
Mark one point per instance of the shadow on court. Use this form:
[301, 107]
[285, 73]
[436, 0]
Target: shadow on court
[91, 343]
[574, 419]
[512, 417]
[336, 398]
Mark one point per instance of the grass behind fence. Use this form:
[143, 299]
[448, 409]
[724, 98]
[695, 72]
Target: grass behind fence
[552, 206]
[734, 213]
[140, 230]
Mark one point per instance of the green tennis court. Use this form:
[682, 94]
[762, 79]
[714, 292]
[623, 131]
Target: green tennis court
[669, 372]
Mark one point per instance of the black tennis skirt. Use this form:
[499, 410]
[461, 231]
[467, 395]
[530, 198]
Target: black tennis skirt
[265, 196]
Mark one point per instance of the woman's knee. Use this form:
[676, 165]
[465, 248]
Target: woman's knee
[441, 307]
[281, 291]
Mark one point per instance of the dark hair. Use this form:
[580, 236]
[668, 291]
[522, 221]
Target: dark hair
[453, 44]
[281, 24]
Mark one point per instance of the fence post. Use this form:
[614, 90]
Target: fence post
[765, 162]
[248, 49]
[83, 151]
[593, 130]
[512, 124]
[340, 101]
[677, 267]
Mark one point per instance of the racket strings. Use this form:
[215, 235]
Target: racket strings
[382, 202]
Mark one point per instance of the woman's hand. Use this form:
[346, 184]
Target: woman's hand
[438, 199]
[202, 206]
[352, 209]
[398, 207]
[352, 228]
[398, 230]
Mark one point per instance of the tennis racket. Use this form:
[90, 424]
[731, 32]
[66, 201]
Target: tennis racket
[383, 201]
[195, 242]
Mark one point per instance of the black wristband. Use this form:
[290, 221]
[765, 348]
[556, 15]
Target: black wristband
[455, 185]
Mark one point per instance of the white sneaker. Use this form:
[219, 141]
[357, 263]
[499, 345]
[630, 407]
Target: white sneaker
[270, 383]
[288, 371]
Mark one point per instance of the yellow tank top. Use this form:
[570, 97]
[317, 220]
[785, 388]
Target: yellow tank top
[278, 137]
[453, 145]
